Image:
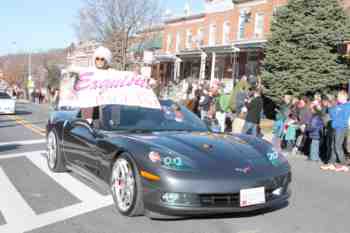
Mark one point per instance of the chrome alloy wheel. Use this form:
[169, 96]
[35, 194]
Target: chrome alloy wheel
[52, 150]
[123, 184]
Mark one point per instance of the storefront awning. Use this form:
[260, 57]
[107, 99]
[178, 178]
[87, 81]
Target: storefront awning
[220, 49]
[151, 44]
[165, 57]
[193, 53]
[250, 44]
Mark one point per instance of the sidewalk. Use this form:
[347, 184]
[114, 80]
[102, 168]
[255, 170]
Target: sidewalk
[22, 101]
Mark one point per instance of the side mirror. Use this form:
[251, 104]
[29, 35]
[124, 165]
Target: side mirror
[212, 126]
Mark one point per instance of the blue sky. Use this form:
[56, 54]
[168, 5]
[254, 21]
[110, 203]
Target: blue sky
[43, 24]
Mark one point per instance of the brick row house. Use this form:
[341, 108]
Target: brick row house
[225, 41]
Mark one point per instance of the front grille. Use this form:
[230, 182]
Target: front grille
[227, 200]
[232, 199]
[219, 200]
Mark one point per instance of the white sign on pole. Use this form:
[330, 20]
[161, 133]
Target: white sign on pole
[148, 57]
[146, 71]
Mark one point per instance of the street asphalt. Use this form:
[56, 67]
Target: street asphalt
[32, 199]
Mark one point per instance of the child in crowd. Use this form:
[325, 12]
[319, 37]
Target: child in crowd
[314, 129]
[290, 131]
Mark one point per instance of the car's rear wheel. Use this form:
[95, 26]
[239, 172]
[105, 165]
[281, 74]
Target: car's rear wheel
[126, 187]
[54, 155]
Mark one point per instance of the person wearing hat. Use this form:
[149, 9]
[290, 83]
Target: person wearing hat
[102, 60]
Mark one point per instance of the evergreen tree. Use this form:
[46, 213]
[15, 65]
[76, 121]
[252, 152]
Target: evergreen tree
[302, 53]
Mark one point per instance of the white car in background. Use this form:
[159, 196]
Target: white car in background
[7, 104]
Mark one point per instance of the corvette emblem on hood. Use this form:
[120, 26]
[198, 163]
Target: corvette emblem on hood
[207, 146]
[244, 170]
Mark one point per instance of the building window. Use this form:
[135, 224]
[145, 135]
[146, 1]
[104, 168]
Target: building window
[200, 37]
[259, 25]
[212, 35]
[244, 18]
[188, 39]
[178, 41]
[226, 33]
[169, 43]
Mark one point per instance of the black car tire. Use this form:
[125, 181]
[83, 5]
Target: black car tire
[59, 164]
[137, 207]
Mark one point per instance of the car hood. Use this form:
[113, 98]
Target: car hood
[216, 152]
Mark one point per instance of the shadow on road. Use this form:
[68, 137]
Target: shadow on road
[7, 148]
[6, 120]
[8, 126]
[232, 215]
[21, 112]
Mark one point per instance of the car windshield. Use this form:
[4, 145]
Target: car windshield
[171, 117]
[4, 95]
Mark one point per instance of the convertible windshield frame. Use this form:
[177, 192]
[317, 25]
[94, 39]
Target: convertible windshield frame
[137, 119]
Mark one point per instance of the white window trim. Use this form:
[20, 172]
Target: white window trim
[259, 32]
[212, 41]
[188, 43]
[226, 40]
[178, 41]
[240, 19]
[169, 42]
[200, 36]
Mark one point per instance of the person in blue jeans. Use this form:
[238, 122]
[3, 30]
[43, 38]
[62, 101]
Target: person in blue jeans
[314, 129]
[340, 115]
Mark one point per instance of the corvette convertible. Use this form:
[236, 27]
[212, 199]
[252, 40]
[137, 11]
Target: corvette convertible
[167, 163]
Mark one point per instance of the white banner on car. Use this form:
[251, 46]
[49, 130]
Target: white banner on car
[91, 88]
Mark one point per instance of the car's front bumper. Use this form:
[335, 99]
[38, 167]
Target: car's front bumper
[214, 202]
[183, 211]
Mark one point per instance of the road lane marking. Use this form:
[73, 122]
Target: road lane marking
[28, 125]
[91, 200]
[56, 216]
[22, 143]
[12, 204]
[23, 154]
[77, 188]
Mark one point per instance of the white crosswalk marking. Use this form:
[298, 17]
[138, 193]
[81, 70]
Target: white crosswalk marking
[22, 143]
[78, 189]
[21, 218]
[23, 154]
[12, 204]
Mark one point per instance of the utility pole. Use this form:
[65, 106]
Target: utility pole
[29, 66]
[30, 86]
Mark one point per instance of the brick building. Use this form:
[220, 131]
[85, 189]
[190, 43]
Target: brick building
[224, 42]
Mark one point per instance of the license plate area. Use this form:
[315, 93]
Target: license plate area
[252, 196]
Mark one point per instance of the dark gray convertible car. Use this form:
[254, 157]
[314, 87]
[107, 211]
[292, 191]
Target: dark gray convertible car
[166, 162]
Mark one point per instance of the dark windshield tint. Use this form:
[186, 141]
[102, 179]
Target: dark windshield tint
[171, 117]
[4, 95]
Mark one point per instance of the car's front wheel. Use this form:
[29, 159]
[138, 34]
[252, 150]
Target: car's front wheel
[54, 155]
[126, 186]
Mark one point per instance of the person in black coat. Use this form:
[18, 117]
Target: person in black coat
[254, 107]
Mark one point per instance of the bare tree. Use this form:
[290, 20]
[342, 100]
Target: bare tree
[14, 70]
[114, 22]
[45, 67]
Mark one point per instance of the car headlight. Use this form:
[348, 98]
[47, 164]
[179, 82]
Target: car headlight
[276, 158]
[170, 160]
